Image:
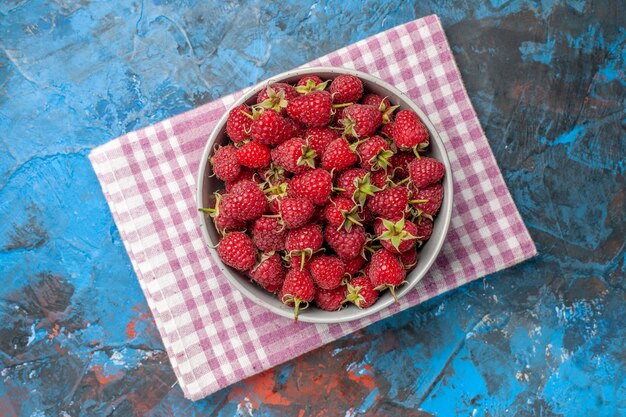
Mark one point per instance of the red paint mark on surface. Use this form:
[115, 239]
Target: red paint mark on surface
[131, 327]
[142, 314]
[362, 375]
[319, 384]
[58, 349]
[101, 376]
[131, 332]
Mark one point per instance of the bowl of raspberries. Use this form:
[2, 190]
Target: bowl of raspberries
[324, 195]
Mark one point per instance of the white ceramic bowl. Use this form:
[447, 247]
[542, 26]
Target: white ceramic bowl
[429, 251]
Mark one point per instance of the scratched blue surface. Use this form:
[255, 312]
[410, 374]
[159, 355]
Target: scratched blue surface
[545, 338]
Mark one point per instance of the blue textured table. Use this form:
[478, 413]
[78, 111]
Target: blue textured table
[545, 338]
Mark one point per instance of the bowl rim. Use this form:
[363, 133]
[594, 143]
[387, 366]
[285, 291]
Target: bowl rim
[444, 215]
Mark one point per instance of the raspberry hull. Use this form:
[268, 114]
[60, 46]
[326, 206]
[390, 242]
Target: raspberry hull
[329, 192]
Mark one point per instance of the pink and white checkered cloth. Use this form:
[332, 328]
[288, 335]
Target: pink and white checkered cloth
[213, 336]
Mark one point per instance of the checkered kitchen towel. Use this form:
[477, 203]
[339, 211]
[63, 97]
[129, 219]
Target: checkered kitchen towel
[214, 337]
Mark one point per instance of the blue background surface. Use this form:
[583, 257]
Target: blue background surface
[545, 338]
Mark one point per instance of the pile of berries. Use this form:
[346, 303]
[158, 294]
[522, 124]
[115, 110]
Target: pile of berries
[328, 194]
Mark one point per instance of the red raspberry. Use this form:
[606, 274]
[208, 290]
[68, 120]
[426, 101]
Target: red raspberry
[354, 265]
[396, 236]
[302, 243]
[424, 229]
[409, 132]
[360, 120]
[294, 156]
[409, 259]
[224, 162]
[382, 104]
[375, 100]
[307, 237]
[330, 300]
[356, 185]
[386, 271]
[390, 203]
[253, 155]
[276, 96]
[310, 83]
[327, 271]
[428, 199]
[315, 185]
[387, 130]
[308, 79]
[375, 153]
[295, 212]
[226, 224]
[265, 93]
[239, 123]
[269, 272]
[347, 181]
[270, 128]
[400, 165]
[347, 244]
[245, 201]
[379, 179]
[342, 212]
[313, 109]
[426, 171]
[338, 156]
[236, 250]
[268, 234]
[361, 292]
[319, 138]
[222, 222]
[298, 288]
[346, 88]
